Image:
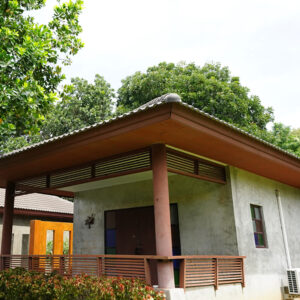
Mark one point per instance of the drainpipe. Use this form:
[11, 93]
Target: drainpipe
[285, 241]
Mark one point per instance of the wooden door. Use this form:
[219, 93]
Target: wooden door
[135, 231]
[132, 231]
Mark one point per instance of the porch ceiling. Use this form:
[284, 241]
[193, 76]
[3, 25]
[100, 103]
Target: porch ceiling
[102, 183]
[174, 124]
[136, 177]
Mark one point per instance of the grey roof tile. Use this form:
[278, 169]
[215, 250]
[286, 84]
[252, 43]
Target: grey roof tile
[40, 202]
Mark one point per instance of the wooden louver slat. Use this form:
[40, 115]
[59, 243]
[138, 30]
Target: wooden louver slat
[193, 166]
[37, 182]
[137, 161]
[195, 270]
[113, 166]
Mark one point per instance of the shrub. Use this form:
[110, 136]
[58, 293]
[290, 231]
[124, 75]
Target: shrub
[29, 285]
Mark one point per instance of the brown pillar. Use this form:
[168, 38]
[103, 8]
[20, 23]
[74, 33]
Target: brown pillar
[8, 215]
[163, 232]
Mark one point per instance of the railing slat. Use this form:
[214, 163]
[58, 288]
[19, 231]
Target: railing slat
[195, 270]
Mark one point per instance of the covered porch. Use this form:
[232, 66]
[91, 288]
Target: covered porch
[157, 250]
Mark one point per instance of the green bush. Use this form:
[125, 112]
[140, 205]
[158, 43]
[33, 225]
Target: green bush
[19, 284]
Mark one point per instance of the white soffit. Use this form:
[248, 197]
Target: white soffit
[93, 185]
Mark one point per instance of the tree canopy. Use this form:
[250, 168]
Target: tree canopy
[210, 88]
[31, 56]
[82, 104]
[285, 138]
[296, 133]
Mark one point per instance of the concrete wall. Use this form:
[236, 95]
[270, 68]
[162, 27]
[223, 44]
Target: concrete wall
[206, 219]
[224, 292]
[205, 214]
[21, 226]
[290, 198]
[265, 268]
[213, 219]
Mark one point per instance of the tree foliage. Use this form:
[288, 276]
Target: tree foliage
[296, 133]
[82, 104]
[13, 143]
[31, 55]
[285, 138]
[210, 88]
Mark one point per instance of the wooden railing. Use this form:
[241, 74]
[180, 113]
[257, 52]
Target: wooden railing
[211, 270]
[195, 270]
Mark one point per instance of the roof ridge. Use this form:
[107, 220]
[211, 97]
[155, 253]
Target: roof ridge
[166, 98]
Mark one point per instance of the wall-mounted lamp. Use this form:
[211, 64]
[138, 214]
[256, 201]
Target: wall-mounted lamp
[90, 220]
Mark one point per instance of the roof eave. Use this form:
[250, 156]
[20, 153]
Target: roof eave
[172, 123]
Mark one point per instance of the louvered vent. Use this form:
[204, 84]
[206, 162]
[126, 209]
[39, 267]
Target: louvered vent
[180, 163]
[37, 182]
[60, 179]
[136, 161]
[211, 171]
[118, 165]
[188, 164]
[294, 281]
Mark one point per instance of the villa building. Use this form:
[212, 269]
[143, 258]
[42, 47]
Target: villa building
[171, 195]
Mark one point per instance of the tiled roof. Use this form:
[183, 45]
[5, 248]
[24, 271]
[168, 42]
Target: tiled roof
[167, 98]
[40, 202]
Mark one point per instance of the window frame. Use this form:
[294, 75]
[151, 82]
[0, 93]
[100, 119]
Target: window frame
[25, 244]
[262, 225]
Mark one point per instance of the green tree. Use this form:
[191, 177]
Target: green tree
[13, 143]
[296, 133]
[284, 137]
[82, 104]
[210, 88]
[31, 56]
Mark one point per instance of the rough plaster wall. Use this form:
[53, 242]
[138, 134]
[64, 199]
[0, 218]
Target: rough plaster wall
[290, 199]
[206, 219]
[265, 268]
[20, 226]
[224, 292]
[205, 214]
[258, 287]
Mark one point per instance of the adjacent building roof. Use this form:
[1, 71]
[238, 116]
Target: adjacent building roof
[40, 202]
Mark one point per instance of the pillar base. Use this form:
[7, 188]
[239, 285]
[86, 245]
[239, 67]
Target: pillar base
[165, 274]
[173, 294]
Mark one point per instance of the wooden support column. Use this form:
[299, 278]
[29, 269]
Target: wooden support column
[8, 215]
[163, 232]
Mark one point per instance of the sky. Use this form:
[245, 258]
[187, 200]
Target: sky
[259, 40]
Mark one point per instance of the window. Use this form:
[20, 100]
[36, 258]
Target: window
[258, 226]
[25, 244]
[12, 244]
